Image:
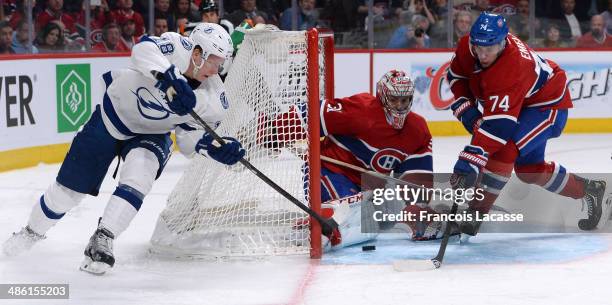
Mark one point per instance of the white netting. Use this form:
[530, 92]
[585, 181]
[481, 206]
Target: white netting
[222, 211]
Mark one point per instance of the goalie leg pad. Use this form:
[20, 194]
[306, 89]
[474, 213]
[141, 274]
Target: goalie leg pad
[135, 182]
[347, 212]
[52, 206]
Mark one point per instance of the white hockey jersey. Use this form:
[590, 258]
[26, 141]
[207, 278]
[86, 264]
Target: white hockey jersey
[132, 105]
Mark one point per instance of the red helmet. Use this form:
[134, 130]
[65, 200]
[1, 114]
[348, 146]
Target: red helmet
[395, 90]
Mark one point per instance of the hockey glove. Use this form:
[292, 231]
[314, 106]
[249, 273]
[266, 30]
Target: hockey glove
[228, 153]
[467, 113]
[467, 169]
[182, 100]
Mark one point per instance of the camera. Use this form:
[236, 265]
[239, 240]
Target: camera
[418, 32]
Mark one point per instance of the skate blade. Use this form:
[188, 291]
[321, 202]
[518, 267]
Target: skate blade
[96, 268]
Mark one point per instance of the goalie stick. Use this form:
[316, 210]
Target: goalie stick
[369, 172]
[327, 226]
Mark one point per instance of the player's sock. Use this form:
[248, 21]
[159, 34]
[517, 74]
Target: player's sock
[135, 182]
[553, 177]
[52, 206]
[121, 209]
[491, 185]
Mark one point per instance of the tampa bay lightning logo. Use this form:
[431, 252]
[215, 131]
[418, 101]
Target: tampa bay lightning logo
[149, 106]
[387, 159]
[224, 101]
[186, 44]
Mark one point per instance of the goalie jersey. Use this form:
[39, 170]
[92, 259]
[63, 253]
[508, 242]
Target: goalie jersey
[132, 105]
[356, 132]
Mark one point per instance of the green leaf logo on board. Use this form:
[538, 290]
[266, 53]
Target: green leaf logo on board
[73, 96]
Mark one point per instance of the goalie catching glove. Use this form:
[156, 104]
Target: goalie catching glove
[179, 94]
[228, 153]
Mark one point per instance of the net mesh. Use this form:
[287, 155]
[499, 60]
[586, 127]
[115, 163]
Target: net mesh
[223, 211]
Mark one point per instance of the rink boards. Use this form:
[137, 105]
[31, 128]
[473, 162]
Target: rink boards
[45, 100]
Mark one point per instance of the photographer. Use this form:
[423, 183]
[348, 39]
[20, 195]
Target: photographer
[411, 35]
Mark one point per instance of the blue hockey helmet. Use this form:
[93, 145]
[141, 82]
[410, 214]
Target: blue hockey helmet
[489, 29]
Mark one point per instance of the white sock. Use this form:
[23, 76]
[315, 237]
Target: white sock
[52, 206]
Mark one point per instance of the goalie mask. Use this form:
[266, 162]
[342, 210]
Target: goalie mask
[213, 39]
[395, 90]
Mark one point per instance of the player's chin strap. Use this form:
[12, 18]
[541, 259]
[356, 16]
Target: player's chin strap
[196, 68]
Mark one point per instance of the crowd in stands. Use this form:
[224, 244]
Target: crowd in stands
[116, 25]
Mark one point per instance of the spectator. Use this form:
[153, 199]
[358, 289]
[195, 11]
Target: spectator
[100, 15]
[21, 37]
[183, 9]
[124, 11]
[162, 8]
[160, 25]
[553, 38]
[342, 15]
[51, 39]
[383, 23]
[597, 37]
[569, 24]
[248, 10]
[519, 23]
[410, 34]
[6, 35]
[111, 37]
[420, 7]
[209, 12]
[608, 17]
[461, 26]
[20, 11]
[439, 10]
[128, 33]
[273, 8]
[257, 19]
[54, 11]
[307, 17]
[480, 6]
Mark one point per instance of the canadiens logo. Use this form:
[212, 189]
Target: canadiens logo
[149, 106]
[386, 159]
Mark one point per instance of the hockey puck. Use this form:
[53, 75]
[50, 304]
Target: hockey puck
[368, 248]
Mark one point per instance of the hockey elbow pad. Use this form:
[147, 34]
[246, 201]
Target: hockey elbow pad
[467, 113]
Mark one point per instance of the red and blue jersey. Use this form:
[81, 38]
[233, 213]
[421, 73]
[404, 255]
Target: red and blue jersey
[518, 79]
[356, 132]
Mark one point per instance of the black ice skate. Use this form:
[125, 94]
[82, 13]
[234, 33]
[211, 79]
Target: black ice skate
[593, 198]
[99, 252]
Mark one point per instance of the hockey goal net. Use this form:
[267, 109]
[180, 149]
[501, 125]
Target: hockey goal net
[226, 211]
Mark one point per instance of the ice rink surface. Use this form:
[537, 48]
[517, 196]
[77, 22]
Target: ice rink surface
[491, 269]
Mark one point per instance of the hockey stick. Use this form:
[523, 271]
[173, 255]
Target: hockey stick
[327, 225]
[369, 172]
[428, 264]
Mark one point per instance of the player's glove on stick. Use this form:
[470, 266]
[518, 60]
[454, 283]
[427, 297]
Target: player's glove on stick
[467, 113]
[471, 161]
[228, 153]
[182, 100]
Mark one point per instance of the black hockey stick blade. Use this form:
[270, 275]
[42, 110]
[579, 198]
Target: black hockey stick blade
[434, 263]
